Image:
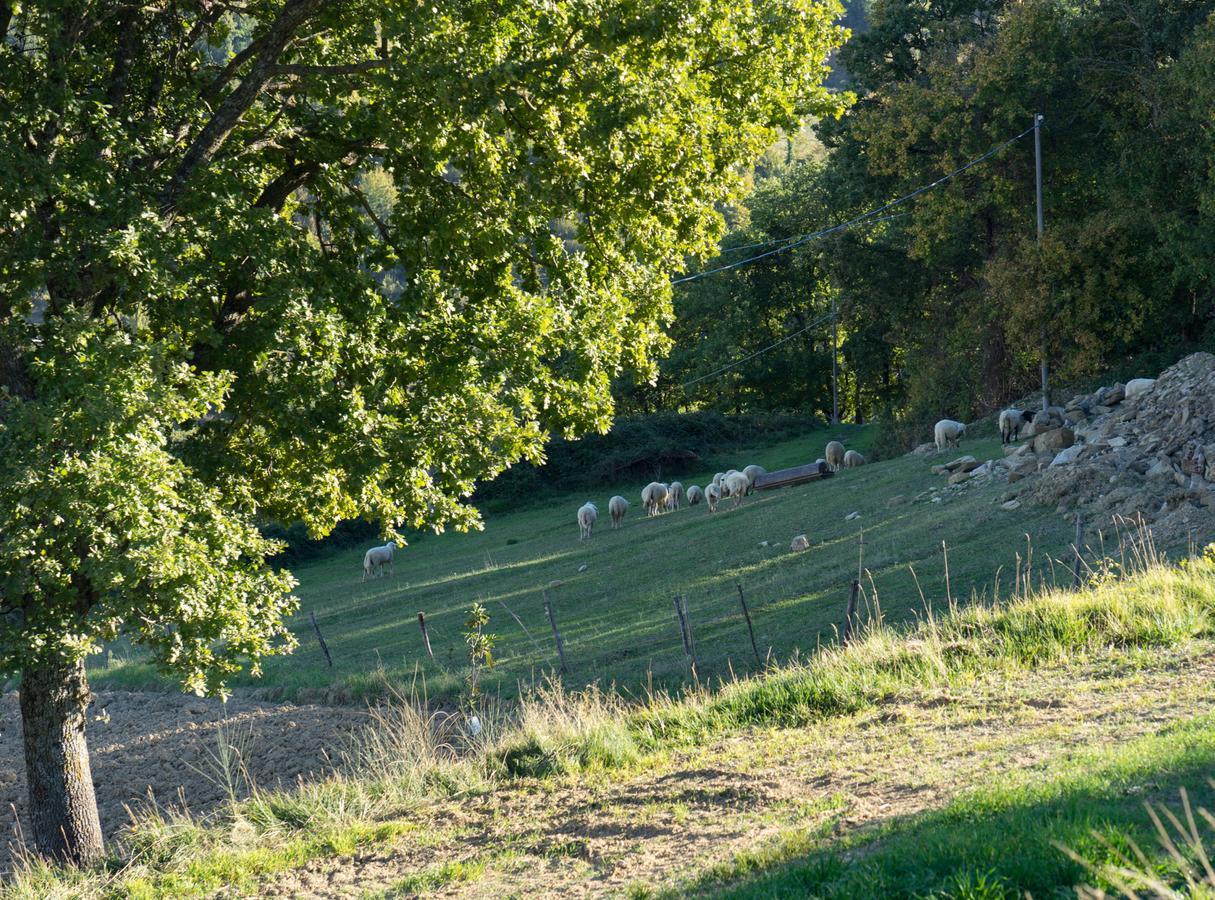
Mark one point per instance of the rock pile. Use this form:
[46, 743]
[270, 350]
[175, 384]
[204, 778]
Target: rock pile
[1146, 448]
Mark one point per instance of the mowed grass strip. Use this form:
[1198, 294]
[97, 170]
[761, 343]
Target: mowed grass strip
[1012, 838]
[617, 616]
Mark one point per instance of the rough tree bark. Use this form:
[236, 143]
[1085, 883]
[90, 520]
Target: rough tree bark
[63, 807]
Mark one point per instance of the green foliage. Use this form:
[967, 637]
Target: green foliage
[948, 309]
[480, 652]
[298, 264]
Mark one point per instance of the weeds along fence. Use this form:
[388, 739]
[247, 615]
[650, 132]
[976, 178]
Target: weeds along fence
[694, 636]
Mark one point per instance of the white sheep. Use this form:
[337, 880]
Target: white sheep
[718, 478]
[587, 514]
[376, 559]
[674, 495]
[947, 433]
[1137, 386]
[1012, 420]
[695, 495]
[753, 472]
[712, 495]
[835, 455]
[617, 507]
[736, 484]
[853, 460]
[654, 496]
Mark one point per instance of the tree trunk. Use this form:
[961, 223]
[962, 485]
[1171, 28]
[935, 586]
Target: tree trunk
[62, 805]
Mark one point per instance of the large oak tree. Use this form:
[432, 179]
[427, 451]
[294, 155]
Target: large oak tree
[208, 317]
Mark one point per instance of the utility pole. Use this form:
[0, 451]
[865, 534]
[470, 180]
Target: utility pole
[1038, 195]
[835, 365]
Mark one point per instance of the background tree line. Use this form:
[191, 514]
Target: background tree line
[947, 309]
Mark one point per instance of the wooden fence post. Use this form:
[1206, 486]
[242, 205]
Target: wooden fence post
[850, 611]
[687, 623]
[683, 631]
[425, 634]
[1076, 548]
[548, 609]
[321, 640]
[751, 631]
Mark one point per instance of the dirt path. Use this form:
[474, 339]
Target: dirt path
[672, 823]
[167, 746]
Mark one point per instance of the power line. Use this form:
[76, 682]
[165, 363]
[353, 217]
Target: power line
[864, 217]
[794, 237]
[760, 352]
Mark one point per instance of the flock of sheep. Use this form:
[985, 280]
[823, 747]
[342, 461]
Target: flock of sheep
[658, 497]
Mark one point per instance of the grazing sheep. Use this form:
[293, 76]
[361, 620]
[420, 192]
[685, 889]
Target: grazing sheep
[674, 495]
[835, 455]
[654, 496]
[947, 433]
[736, 484]
[587, 514]
[753, 472]
[1137, 386]
[617, 507]
[1012, 420]
[695, 495]
[853, 460]
[377, 558]
[712, 495]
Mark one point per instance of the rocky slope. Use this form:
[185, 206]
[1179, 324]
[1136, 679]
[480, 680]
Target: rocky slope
[1143, 451]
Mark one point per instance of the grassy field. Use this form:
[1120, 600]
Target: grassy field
[613, 595]
[964, 758]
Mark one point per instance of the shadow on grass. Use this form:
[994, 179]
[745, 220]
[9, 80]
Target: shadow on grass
[997, 842]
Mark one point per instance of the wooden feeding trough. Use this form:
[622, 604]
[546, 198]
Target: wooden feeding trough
[797, 475]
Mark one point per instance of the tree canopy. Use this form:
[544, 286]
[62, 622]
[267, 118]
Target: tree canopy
[946, 310]
[306, 260]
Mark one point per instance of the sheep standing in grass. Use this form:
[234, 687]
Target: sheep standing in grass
[587, 514]
[674, 495]
[376, 559]
[654, 496]
[1011, 422]
[753, 472]
[835, 455]
[736, 483]
[695, 495]
[712, 495]
[617, 507]
[947, 433]
[853, 460]
[718, 478]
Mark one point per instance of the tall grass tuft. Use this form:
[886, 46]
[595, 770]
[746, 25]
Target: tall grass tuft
[1133, 875]
[558, 732]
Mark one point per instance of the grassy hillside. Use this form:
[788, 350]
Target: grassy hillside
[953, 760]
[616, 615]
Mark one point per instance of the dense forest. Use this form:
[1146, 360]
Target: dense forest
[948, 307]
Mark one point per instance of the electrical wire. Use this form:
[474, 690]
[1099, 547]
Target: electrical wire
[793, 237]
[738, 362]
[866, 218]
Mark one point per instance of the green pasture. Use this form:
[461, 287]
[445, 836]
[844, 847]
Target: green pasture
[616, 615]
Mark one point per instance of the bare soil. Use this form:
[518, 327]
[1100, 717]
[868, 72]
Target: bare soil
[165, 748]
